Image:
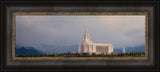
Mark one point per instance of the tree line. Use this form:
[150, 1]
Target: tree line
[82, 55]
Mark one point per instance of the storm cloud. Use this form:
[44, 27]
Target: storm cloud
[119, 30]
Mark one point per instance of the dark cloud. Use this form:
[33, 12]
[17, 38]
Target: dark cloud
[69, 30]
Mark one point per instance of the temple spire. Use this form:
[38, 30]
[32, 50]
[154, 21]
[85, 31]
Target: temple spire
[86, 35]
[86, 26]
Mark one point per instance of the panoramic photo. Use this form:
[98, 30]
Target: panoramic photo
[80, 36]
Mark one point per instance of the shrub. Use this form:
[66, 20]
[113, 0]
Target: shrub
[26, 55]
[37, 55]
[41, 55]
[21, 55]
[45, 55]
[30, 55]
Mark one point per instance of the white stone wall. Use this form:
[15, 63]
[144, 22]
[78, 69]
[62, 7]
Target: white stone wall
[91, 48]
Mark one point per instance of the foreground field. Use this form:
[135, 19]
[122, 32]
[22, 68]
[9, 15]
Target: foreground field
[131, 54]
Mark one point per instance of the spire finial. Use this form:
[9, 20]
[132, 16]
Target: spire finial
[86, 26]
[86, 35]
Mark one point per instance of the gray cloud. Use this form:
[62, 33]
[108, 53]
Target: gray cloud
[69, 30]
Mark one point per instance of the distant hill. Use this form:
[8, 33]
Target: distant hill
[48, 49]
[26, 50]
[131, 49]
[60, 49]
[64, 49]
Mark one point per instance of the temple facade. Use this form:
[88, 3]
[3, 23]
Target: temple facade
[87, 46]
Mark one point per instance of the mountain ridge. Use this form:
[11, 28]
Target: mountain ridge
[73, 48]
[26, 50]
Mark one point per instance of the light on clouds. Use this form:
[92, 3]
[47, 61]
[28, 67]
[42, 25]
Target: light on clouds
[69, 30]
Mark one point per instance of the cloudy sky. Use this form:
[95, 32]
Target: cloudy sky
[119, 30]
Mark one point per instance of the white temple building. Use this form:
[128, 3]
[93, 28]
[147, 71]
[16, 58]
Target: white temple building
[87, 46]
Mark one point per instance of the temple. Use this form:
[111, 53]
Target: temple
[87, 46]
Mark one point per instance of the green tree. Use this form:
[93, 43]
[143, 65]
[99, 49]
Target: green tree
[26, 55]
[38, 54]
[94, 54]
[131, 54]
[35, 55]
[53, 54]
[139, 53]
[135, 54]
[21, 55]
[120, 54]
[41, 55]
[112, 53]
[45, 55]
[88, 54]
[30, 55]
[49, 55]
[84, 54]
[76, 54]
[126, 53]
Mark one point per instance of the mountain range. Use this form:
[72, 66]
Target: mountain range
[130, 49]
[26, 50]
[73, 48]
